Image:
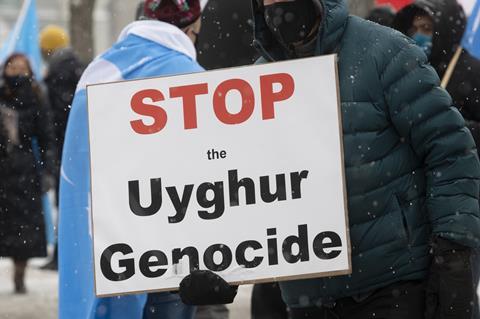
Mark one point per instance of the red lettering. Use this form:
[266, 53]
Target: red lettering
[269, 97]
[220, 106]
[156, 112]
[188, 93]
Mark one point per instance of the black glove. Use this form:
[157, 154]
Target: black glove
[203, 287]
[451, 290]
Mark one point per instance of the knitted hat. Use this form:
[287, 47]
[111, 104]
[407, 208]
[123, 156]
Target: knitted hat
[53, 37]
[177, 12]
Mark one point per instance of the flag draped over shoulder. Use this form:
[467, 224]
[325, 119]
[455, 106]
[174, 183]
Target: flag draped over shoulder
[471, 37]
[24, 37]
[145, 49]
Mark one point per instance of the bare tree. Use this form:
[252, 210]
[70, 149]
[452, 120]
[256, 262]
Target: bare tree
[360, 7]
[81, 28]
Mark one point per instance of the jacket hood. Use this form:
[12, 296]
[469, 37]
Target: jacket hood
[449, 24]
[330, 32]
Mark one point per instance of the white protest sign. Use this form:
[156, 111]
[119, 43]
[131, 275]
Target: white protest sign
[239, 171]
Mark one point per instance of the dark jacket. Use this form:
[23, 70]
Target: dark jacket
[382, 15]
[226, 36]
[411, 165]
[449, 26]
[22, 230]
[64, 72]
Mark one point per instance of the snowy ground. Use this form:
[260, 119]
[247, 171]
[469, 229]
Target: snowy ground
[41, 301]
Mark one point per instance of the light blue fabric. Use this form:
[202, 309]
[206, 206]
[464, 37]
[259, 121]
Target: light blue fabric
[424, 42]
[471, 37]
[134, 57]
[24, 37]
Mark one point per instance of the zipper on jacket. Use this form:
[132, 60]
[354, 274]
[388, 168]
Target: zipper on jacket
[404, 219]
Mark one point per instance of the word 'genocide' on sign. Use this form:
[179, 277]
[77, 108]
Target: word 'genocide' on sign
[188, 93]
[118, 264]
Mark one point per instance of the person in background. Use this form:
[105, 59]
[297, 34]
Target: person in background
[63, 73]
[437, 27]
[27, 153]
[160, 44]
[411, 167]
[226, 37]
[383, 15]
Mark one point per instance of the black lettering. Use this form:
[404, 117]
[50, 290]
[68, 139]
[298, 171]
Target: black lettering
[265, 192]
[218, 201]
[240, 254]
[128, 264]
[134, 198]
[226, 257]
[296, 180]
[319, 245]
[146, 263]
[234, 188]
[272, 247]
[302, 241]
[192, 254]
[181, 206]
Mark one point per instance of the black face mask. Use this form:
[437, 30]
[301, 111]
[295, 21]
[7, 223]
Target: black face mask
[291, 22]
[17, 81]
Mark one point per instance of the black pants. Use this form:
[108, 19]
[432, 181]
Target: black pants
[404, 300]
[267, 302]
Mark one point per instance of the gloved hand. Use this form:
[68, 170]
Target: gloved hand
[451, 290]
[203, 287]
[47, 183]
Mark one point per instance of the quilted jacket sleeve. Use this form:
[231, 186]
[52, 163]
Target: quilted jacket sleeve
[424, 117]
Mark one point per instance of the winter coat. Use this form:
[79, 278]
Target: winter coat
[225, 39]
[449, 26]
[64, 72]
[24, 117]
[145, 49]
[411, 165]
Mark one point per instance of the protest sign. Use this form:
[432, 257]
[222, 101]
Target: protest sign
[239, 171]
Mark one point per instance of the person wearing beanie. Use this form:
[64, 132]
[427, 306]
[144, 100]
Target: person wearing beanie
[53, 38]
[161, 43]
[63, 72]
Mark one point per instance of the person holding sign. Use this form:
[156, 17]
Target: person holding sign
[412, 170]
[162, 43]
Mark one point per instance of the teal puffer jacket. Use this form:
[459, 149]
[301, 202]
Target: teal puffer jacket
[411, 167]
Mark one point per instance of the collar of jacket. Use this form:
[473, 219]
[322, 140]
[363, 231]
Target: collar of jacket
[331, 30]
[162, 33]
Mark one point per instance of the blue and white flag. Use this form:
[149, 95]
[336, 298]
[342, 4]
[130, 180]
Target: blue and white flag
[24, 37]
[471, 37]
[145, 49]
